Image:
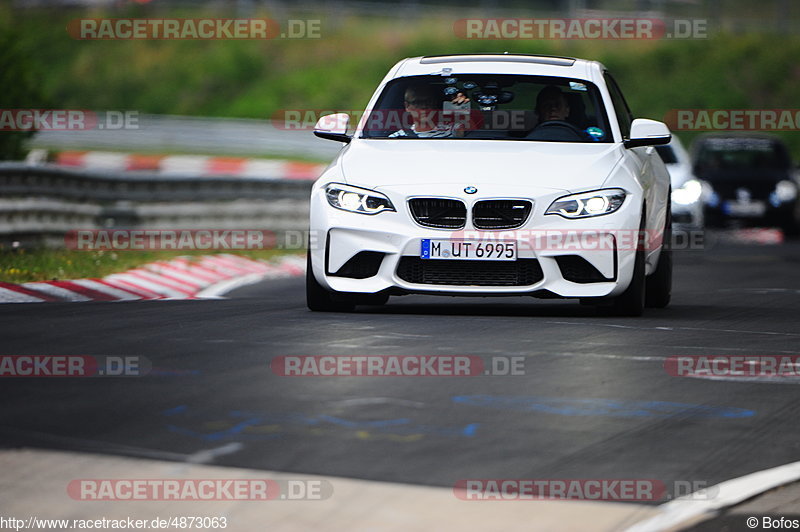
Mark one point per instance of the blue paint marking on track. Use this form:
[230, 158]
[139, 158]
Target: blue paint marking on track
[601, 407]
[173, 411]
[234, 431]
[246, 425]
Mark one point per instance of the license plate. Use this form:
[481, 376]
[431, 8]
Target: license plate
[468, 250]
[754, 208]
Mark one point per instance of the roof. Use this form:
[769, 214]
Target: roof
[495, 63]
[520, 58]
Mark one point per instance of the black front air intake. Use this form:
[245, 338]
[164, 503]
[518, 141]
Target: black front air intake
[578, 270]
[521, 272]
[361, 265]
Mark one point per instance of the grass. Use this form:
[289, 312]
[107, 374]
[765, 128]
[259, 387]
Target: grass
[258, 79]
[26, 265]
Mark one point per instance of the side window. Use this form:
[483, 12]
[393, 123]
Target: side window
[621, 109]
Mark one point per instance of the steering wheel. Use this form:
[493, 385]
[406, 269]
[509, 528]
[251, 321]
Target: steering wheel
[556, 126]
[563, 125]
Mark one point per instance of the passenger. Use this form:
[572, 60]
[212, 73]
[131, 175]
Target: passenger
[425, 109]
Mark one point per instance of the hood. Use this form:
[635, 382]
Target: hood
[543, 165]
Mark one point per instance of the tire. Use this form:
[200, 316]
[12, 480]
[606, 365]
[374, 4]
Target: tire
[658, 289]
[319, 299]
[375, 300]
[632, 301]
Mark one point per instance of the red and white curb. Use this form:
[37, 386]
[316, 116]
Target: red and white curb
[201, 165]
[182, 278]
[765, 236]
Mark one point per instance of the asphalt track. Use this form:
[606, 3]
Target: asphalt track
[595, 401]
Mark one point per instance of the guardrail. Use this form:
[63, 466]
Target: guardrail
[189, 134]
[39, 205]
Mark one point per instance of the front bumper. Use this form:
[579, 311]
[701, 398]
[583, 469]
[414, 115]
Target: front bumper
[755, 212]
[606, 243]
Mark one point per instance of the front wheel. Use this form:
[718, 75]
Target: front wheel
[632, 301]
[320, 299]
[659, 284]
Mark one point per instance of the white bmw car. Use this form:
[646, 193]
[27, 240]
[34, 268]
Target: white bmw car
[493, 175]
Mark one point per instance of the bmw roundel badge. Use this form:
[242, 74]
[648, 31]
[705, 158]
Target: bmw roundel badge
[470, 190]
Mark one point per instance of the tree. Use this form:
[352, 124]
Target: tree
[18, 90]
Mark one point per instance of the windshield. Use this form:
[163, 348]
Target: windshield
[741, 153]
[493, 107]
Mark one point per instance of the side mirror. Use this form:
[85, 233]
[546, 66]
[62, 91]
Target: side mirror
[333, 127]
[646, 132]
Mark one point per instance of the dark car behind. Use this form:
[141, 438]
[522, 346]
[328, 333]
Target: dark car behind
[749, 178]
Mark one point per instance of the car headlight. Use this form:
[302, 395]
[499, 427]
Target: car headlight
[785, 191]
[588, 204]
[688, 193]
[355, 199]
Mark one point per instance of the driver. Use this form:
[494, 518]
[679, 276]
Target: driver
[552, 107]
[552, 104]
